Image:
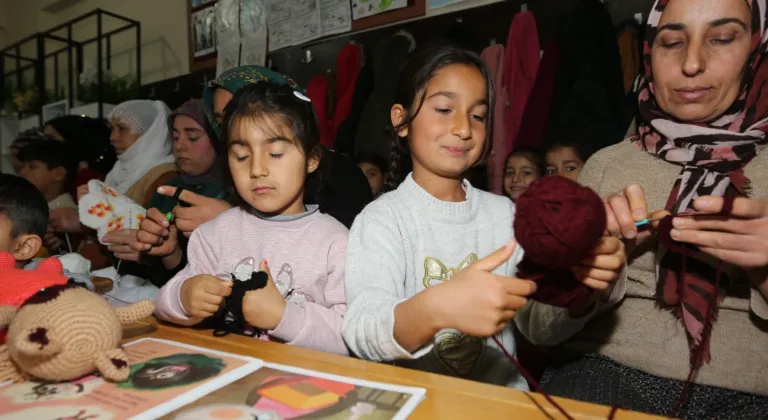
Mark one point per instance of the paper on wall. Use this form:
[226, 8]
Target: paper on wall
[253, 25]
[365, 8]
[227, 35]
[295, 22]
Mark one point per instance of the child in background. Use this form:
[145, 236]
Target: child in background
[23, 218]
[523, 166]
[374, 168]
[270, 144]
[566, 159]
[419, 290]
[49, 166]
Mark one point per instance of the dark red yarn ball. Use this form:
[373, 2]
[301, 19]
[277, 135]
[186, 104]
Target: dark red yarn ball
[558, 223]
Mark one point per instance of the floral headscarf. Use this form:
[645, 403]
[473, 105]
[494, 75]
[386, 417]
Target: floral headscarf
[234, 80]
[712, 157]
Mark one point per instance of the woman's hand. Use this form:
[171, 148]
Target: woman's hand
[740, 238]
[264, 308]
[119, 243]
[65, 220]
[201, 209]
[156, 236]
[623, 210]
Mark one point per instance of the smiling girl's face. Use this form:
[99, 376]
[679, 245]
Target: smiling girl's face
[518, 175]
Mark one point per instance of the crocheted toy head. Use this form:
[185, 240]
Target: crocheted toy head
[64, 332]
[18, 285]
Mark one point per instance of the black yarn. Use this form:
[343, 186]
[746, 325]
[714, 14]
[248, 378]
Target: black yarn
[233, 305]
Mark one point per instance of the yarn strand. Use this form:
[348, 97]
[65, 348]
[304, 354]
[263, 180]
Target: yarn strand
[538, 387]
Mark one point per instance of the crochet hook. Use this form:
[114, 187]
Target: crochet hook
[645, 222]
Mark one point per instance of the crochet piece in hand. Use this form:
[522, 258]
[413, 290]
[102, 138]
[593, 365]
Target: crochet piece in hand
[230, 318]
[105, 210]
[64, 332]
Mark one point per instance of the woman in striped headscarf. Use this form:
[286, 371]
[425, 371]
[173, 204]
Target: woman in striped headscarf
[683, 330]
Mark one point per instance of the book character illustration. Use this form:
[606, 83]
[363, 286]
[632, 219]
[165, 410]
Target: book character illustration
[172, 371]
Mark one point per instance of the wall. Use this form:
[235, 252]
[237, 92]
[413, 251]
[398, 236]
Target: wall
[164, 42]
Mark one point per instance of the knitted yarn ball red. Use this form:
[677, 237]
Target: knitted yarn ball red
[558, 222]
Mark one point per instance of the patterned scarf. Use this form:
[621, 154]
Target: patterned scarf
[712, 157]
[234, 80]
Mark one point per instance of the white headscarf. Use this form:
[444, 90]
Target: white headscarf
[148, 119]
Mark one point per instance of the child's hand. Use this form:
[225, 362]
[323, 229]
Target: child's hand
[603, 267]
[479, 303]
[52, 242]
[264, 308]
[82, 191]
[156, 236]
[202, 295]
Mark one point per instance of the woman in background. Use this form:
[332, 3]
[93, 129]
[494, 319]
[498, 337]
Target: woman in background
[89, 138]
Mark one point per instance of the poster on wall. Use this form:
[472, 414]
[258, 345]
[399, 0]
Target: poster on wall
[203, 32]
[365, 8]
[294, 22]
[227, 35]
[435, 4]
[253, 25]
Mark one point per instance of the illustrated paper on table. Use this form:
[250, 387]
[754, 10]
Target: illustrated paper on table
[105, 210]
[165, 376]
[283, 392]
[293, 22]
[365, 8]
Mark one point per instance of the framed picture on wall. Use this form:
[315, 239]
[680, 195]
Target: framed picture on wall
[198, 3]
[203, 32]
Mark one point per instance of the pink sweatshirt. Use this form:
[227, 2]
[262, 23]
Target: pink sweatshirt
[306, 255]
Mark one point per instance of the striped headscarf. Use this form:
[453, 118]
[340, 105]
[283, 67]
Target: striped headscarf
[712, 156]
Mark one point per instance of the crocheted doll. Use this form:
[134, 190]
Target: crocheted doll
[19, 285]
[64, 331]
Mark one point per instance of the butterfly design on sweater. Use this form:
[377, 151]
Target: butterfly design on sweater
[457, 352]
[105, 210]
[286, 286]
[435, 272]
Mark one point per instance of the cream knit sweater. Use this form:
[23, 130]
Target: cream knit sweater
[630, 328]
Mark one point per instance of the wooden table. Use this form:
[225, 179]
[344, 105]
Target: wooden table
[446, 398]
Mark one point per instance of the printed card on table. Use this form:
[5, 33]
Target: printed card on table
[277, 392]
[165, 376]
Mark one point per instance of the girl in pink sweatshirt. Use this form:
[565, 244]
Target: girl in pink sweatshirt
[270, 145]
